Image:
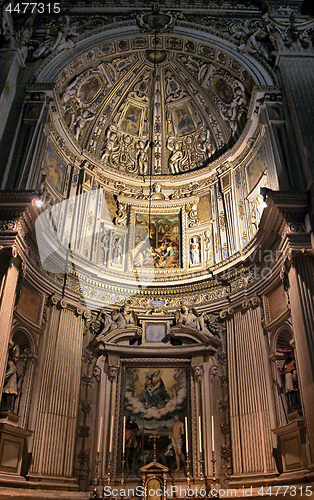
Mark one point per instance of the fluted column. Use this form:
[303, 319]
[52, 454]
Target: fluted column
[251, 436]
[9, 273]
[55, 427]
[301, 293]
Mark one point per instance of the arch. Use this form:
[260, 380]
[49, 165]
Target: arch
[53, 64]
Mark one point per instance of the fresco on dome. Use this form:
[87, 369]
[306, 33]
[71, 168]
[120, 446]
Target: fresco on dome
[132, 119]
[155, 400]
[90, 89]
[54, 168]
[163, 249]
[184, 122]
[255, 169]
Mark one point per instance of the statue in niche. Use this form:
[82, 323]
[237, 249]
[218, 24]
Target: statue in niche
[195, 251]
[290, 381]
[208, 247]
[141, 157]
[10, 387]
[104, 242]
[116, 320]
[117, 251]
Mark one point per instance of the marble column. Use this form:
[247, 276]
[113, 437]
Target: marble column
[301, 294]
[55, 427]
[250, 414]
[9, 273]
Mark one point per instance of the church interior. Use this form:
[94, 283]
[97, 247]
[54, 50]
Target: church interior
[157, 249]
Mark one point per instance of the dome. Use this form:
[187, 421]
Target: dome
[161, 105]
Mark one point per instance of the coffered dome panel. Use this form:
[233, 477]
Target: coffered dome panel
[166, 109]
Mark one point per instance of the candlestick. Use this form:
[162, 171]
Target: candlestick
[123, 443]
[186, 436]
[99, 436]
[111, 434]
[200, 432]
[213, 436]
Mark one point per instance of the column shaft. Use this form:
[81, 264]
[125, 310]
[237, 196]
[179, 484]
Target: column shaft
[55, 429]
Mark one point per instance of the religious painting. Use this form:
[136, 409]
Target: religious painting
[155, 404]
[184, 122]
[132, 119]
[54, 169]
[162, 248]
[90, 88]
[223, 89]
[255, 169]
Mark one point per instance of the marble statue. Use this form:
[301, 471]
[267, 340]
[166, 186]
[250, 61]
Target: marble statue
[116, 320]
[10, 386]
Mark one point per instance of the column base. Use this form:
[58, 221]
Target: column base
[41, 481]
[253, 479]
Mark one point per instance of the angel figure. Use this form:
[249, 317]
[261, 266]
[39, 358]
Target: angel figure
[141, 157]
[116, 320]
[188, 317]
[80, 122]
[205, 145]
[176, 158]
[110, 147]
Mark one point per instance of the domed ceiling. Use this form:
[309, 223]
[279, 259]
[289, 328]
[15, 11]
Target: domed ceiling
[133, 116]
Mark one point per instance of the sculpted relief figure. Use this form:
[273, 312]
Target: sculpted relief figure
[204, 322]
[176, 157]
[117, 319]
[57, 38]
[142, 157]
[110, 147]
[205, 146]
[80, 122]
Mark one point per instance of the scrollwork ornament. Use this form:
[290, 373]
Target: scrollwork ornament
[192, 214]
[122, 214]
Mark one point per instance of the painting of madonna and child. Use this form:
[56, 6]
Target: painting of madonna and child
[161, 249]
[155, 404]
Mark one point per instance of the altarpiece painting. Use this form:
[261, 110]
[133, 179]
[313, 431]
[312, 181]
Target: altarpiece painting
[155, 403]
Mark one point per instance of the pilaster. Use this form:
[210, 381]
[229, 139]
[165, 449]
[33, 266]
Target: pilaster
[250, 412]
[10, 267]
[55, 428]
[299, 284]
